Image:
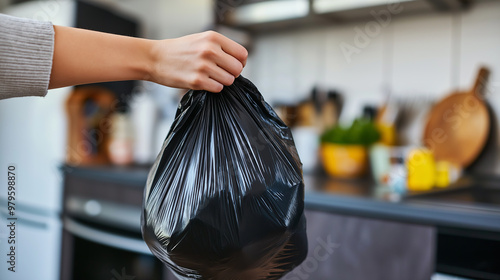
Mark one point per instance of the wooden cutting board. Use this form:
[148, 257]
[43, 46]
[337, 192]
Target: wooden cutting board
[458, 126]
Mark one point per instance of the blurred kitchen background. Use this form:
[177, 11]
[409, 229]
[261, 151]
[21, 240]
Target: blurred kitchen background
[393, 105]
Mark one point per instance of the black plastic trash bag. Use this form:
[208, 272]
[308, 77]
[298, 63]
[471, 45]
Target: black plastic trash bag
[225, 197]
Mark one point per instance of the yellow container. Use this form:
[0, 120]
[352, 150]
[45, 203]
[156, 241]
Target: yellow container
[344, 161]
[421, 170]
[443, 170]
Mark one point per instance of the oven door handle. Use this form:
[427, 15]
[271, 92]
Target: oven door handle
[105, 238]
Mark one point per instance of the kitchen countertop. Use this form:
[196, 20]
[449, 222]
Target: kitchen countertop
[360, 198]
[350, 197]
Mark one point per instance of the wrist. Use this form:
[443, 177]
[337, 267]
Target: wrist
[158, 65]
[146, 63]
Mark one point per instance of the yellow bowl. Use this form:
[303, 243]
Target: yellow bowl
[344, 161]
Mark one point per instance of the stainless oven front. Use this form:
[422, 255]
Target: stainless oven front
[101, 227]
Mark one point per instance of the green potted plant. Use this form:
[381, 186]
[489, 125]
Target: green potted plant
[344, 149]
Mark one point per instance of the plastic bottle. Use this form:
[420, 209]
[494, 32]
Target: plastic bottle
[122, 141]
[421, 170]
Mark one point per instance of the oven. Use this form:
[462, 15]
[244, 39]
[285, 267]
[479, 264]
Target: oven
[101, 226]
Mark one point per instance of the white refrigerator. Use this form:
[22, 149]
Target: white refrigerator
[32, 146]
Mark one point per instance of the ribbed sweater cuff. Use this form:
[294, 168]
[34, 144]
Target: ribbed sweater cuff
[26, 50]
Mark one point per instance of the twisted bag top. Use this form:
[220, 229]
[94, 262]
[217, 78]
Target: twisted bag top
[225, 197]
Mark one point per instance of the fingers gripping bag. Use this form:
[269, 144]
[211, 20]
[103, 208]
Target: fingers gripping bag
[225, 198]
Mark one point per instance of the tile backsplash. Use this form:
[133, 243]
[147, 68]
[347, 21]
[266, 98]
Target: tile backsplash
[423, 56]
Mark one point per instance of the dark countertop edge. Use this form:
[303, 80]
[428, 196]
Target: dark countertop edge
[406, 212]
[422, 212]
[121, 175]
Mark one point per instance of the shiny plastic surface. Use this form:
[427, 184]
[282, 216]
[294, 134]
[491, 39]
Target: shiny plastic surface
[225, 197]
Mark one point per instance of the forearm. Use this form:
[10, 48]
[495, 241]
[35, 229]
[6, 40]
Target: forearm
[83, 56]
[205, 60]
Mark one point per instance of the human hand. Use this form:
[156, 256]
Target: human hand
[203, 61]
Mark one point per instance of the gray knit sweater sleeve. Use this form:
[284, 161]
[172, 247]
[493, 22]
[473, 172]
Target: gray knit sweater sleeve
[26, 49]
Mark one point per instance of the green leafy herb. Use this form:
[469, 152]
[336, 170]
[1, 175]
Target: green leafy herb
[361, 132]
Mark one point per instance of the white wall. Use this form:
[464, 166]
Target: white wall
[163, 19]
[417, 56]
